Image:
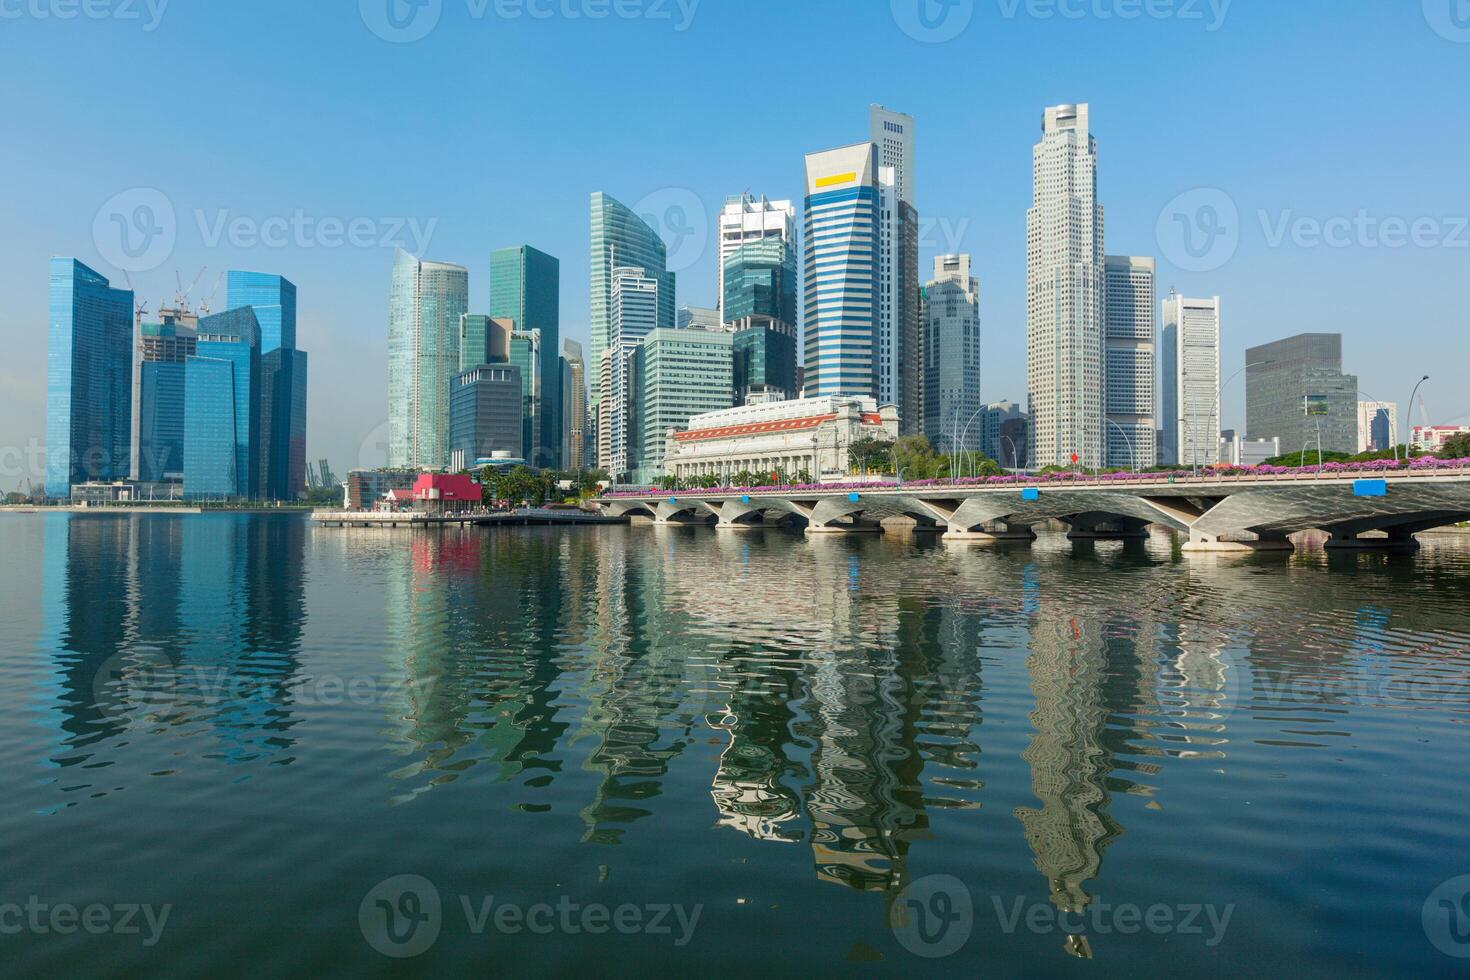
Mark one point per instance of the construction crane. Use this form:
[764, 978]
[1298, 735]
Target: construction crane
[181, 297]
[140, 310]
[204, 303]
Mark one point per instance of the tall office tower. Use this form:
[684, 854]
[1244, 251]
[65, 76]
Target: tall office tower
[526, 357]
[158, 398]
[282, 464]
[1190, 380]
[274, 300]
[1132, 436]
[745, 219]
[222, 383]
[1295, 391]
[996, 440]
[622, 239]
[483, 340]
[758, 296]
[1064, 294]
[89, 373]
[486, 414]
[574, 405]
[1378, 426]
[951, 348]
[634, 309]
[677, 374]
[698, 318]
[841, 265]
[525, 286]
[424, 308]
[901, 332]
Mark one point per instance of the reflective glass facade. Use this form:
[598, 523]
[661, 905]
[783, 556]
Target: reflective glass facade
[677, 374]
[764, 357]
[525, 286]
[222, 385]
[425, 304]
[621, 238]
[161, 425]
[89, 378]
[274, 300]
[760, 280]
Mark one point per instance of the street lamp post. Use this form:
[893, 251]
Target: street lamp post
[1409, 415]
[1391, 439]
[965, 433]
[1015, 455]
[1132, 453]
[1219, 397]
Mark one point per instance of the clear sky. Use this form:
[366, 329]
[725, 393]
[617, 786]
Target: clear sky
[1320, 147]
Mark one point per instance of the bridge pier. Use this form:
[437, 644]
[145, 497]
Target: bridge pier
[993, 532]
[856, 527]
[1213, 544]
[1087, 528]
[1396, 540]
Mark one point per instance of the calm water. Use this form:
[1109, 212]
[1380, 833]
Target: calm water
[738, 753]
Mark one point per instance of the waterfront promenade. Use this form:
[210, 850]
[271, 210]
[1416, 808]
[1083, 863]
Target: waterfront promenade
[522, 517]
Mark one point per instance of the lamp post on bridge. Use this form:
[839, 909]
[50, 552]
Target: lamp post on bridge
[1133, 453]
[1409, 417]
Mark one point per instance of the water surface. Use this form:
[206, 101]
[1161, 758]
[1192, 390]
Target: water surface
[860, 755]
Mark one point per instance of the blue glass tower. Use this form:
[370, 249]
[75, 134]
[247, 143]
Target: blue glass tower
[89, 368]
[222, 408]
[161, 425]
[842, 218]
[282, 465]
[525, 286]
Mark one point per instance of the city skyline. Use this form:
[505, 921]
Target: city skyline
[967, 182]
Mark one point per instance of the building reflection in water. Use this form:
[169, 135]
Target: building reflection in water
[163, 628]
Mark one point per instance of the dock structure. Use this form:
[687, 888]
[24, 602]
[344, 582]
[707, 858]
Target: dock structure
[523, 517]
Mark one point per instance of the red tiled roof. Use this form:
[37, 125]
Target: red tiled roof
[754, 428]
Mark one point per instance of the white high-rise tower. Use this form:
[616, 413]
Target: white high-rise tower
[1065, 288]
[1131, 439]
[898, 363]
[1191, 380]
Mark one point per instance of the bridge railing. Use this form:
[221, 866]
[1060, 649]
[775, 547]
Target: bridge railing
[1426, 466]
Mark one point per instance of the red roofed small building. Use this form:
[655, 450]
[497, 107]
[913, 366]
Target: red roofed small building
[804, 435]
[437, 493]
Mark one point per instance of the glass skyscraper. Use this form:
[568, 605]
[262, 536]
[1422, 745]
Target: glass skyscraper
[424, 309]
[760, 280]
[222, 383]
[525, 286]
[282, 448]
[841, 258]
[89, 378]
[274, 300]
[620, 239]
[677, 374]
[525, 357]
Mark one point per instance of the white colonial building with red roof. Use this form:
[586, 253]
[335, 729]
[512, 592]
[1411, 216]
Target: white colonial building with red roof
[806, 435]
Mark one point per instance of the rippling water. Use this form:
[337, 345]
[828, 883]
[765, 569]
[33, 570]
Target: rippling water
[739, 752]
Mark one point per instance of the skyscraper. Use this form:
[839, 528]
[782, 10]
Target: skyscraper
[282, 465]
[622, 239]
[745, 219]
[483, 340]
[900, 333]
[222, 402]
[525, 286]
[525, 356]
[574, 405]
[1131, 439]
[486, 414]
[677, 374]
[1378, 426]
[951, 356]
[841, 264]
[635, 308]
[424, 308]
[89, 378]
[760, 280]
[158, 397]
[1295, 391]
[1190, 380]
[1064, 294]
[274, 300]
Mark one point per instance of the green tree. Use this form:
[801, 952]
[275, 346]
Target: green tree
[1458, 447]
[868, 453]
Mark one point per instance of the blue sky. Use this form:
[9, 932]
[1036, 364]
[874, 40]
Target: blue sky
[1329, 136]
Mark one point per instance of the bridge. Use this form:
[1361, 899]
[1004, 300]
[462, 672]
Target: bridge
[1251, 512]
